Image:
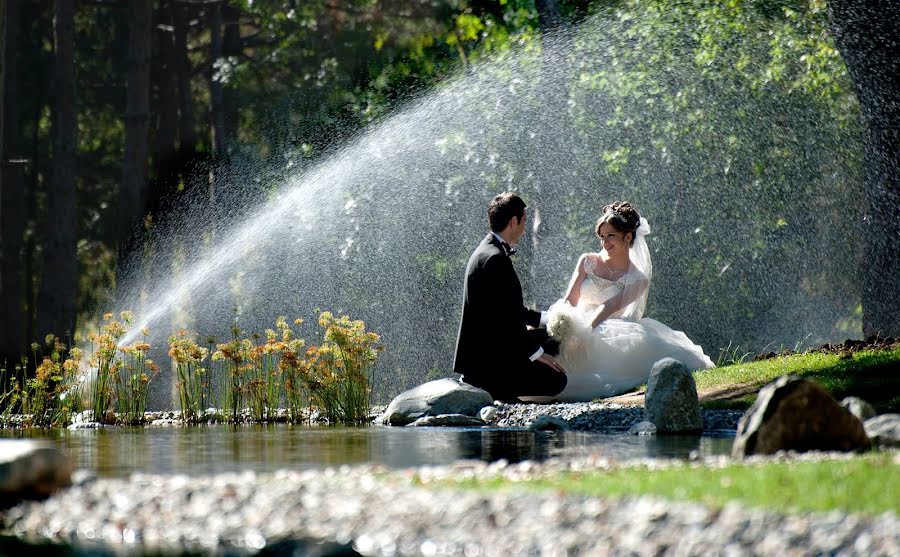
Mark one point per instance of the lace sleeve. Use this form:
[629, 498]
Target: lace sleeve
[590, 264]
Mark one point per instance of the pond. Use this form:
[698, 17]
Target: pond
[120, 451]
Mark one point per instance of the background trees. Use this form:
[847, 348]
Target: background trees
[144, 112]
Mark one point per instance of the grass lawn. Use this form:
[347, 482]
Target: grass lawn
[867, 484]
[873, 375]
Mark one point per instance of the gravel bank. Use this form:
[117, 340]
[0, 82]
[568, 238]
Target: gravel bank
[391, 513]
[604, 417]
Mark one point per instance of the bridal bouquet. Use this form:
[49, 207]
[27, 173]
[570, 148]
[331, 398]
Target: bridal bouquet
[561, 320]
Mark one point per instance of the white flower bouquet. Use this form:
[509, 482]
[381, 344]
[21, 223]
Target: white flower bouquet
[561, 320]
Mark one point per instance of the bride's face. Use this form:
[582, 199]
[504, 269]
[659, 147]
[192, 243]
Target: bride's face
[612, 240]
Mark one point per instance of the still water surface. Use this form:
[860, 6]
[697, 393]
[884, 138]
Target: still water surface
[262, 448]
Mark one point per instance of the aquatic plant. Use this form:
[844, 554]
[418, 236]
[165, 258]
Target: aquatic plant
[235, 357]
[106, 365]
[132, 382]
[48, 398]
[337, 371]
[188, 358]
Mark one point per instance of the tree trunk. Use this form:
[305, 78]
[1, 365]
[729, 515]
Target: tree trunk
[166, 114]
[215, 85]
[867, 33]
[132, 195]
[187, 133]
[12, 194]
[231, 50]
[56, 308]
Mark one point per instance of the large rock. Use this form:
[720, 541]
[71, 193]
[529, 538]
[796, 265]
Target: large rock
[671, 402]
[443, 396]
[31, 469]
[795, 414]
[884, 430]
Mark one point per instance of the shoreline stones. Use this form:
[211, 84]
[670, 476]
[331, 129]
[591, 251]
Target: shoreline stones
[791, 413]
[671, 402]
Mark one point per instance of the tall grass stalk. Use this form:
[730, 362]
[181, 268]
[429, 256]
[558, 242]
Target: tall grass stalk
[338, 369]
[132, 383]
[107, 365]
[188, 357]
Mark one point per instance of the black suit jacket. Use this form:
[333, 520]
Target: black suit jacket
[493, 339]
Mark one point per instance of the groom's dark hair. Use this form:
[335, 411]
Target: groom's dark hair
[503, 208]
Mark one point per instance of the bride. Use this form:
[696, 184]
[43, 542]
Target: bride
[607, 346]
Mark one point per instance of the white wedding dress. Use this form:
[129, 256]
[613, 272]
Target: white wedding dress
[618, 354]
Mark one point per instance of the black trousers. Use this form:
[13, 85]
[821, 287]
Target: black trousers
[507, 383]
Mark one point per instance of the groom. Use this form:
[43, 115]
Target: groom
[495, 350]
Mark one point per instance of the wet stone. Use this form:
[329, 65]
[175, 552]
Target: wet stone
[31, 469]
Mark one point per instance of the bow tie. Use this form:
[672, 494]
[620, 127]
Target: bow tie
[509, 250]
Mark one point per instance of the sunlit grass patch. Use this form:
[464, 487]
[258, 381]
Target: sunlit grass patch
[873, 375]
[866, 484]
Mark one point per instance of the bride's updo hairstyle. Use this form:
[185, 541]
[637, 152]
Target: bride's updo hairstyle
[622, 216]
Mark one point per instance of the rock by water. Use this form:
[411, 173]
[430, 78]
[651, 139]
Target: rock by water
[794, 414]
[884, 430]
[31, 469]
[671, 402]
[443, 396]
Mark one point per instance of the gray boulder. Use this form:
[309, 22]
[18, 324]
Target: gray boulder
[447, 420]
[671, 402]
[31, 469]
[884, 430]
[443, 396]
[794, 414]
[859, 408]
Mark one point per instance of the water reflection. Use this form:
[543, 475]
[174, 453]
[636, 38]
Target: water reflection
[202, 450]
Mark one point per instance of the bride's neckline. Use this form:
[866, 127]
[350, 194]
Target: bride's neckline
[611, 268]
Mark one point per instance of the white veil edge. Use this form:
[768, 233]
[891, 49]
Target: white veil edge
[640, 258]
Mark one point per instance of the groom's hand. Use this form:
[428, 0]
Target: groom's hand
[548, 360]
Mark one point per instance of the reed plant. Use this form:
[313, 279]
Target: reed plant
[188, 357]
[106, 366]
[48, 398]
[235, 357]
[133, 382]
[9, 393]
[256, 374]
[337, 371]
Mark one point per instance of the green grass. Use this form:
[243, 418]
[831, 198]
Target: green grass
[867, 484]
[873, 375]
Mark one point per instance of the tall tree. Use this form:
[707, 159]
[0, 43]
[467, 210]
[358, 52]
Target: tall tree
[56, 309]
[132, 194]
[187, 133]
[867, 33]
[166, 112]
[12, 194]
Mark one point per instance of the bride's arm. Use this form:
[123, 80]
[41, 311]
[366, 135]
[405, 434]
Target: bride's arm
[573, 292]
[632, 291]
